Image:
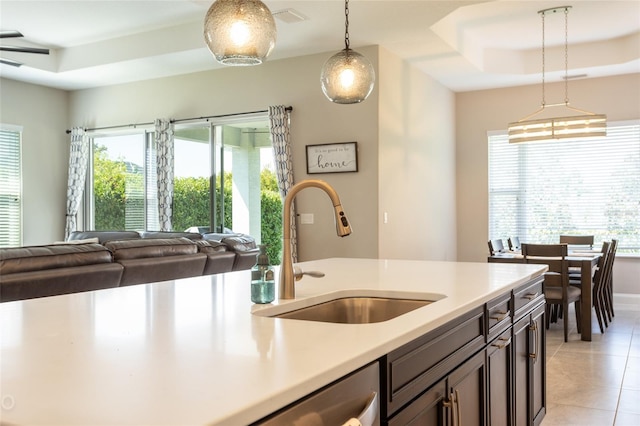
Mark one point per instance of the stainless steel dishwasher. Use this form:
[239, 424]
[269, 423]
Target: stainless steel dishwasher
[351, 401]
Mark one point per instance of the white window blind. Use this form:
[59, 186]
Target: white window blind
[10, 187]
[540, 190]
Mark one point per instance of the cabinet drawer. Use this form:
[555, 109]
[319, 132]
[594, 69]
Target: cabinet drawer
[498, 315]
[527, 296]
[416, 366]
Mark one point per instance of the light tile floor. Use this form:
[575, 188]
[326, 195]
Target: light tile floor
[595, 383]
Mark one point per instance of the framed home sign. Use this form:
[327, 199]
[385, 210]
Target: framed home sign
[332, 158]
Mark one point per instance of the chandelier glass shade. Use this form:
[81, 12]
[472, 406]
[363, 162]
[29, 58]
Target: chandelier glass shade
[574, 123]
[347, 77]
[240, 32]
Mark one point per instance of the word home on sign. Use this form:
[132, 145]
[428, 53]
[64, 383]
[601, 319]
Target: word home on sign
[332, 158]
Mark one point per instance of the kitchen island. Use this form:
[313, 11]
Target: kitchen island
[192, 351]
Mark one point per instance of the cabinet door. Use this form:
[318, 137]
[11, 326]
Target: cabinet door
[467, 392]
[529, 367]
[521, 362]
[499, 382]
[427, 410]
[538, 365]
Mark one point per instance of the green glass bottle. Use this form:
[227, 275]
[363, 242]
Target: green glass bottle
[263, 287]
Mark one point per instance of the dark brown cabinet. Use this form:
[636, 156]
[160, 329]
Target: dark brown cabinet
[487, 367]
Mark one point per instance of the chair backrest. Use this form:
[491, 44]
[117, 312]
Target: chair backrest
[496, 246]
[600, 277]
[553, 255]
[608, 267]
[514, 243]
[584, 241]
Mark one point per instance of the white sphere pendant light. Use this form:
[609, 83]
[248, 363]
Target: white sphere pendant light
[240, 32]
[347, 77]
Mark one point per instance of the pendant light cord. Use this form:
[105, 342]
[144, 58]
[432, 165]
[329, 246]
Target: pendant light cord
[543, 62]
[566, 53]
[566, 56]
[346, 24]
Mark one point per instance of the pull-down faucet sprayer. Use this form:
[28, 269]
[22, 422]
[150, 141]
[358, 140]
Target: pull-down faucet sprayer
[287, 287]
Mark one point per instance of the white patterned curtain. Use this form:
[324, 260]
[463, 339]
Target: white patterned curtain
[164, 160]
[78, 158]
[280, 121]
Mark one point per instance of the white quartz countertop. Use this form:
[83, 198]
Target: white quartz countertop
[190, 352]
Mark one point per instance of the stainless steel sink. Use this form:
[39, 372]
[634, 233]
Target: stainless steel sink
[356, 310]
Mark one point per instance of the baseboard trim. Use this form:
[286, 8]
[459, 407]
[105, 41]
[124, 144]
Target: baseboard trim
[626, 301]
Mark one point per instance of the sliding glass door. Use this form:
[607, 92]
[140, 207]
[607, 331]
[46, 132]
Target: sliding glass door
[224, 181]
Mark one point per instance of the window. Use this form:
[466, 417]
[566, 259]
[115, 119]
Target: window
[224, 179]
[540, 190]
[122, 188]
[10, 186]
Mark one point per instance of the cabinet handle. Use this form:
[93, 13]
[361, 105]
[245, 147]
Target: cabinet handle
[501, 343]
[501, 315]
[368, 416]
[459, 414]
[534, 328]
[530, 296]
[450, 404]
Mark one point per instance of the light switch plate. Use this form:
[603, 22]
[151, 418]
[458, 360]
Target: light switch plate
[306, 218]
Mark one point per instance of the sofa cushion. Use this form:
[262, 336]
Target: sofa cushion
[39, 258]
[154, 247]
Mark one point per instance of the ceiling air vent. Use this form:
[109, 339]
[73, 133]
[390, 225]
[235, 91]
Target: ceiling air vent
[289, 16]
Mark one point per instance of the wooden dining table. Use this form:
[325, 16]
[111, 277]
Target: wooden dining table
[587, 263]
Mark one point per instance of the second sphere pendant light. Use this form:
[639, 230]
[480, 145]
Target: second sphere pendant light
[347, 77]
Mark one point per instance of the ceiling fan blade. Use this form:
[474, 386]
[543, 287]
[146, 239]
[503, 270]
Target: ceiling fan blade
[10, 34]
[24, 49]
[10, 62]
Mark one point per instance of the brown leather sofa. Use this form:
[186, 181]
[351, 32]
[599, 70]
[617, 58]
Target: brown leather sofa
[120, 258]
[225, 251]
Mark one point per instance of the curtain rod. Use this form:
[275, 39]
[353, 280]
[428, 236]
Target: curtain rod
[134, 125]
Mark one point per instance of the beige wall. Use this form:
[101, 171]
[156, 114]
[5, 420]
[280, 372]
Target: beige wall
[315, 120]
[416, 181]
[43, 114]
[482, 111]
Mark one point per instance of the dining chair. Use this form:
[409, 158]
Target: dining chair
[557, 290]
[599, 283]
[496, 246]
[608, 286]
[514, 243]
[577, 241]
